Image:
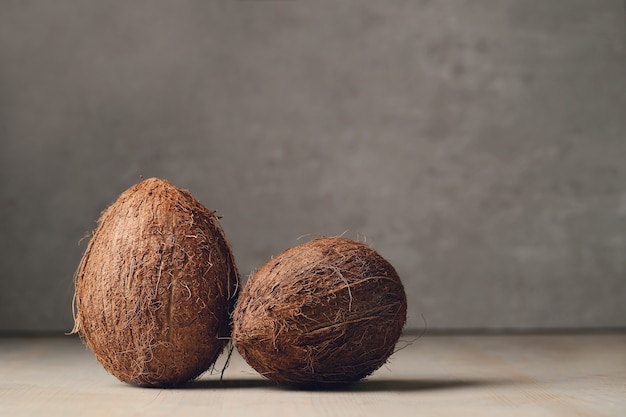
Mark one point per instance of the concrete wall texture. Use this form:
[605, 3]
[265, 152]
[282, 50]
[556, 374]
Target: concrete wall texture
[479, 145]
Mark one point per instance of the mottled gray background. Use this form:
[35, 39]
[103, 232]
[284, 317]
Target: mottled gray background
[479, 145]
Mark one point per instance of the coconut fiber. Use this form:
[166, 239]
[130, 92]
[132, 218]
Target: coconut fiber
[329, 311]
[155, 287]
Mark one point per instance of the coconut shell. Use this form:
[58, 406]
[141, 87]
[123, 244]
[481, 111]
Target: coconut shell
[329, 311]
[155, 287]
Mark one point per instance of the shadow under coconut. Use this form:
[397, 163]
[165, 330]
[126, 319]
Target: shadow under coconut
[390, 385]
[228, 384]
[405, 385]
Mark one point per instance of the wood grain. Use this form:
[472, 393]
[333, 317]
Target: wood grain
[521, 375]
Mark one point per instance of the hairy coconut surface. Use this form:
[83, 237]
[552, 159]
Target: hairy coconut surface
[155, 287]
[324, 312]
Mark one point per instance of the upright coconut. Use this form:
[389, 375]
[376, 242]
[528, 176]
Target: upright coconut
[329, 311]
[155, 287]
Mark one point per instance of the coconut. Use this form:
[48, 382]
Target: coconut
[329, 311]
[155, 287]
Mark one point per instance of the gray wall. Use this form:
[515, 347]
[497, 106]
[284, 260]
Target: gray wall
[479, 145]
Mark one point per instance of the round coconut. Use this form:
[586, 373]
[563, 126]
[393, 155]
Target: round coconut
[329, 311]
[155, 287]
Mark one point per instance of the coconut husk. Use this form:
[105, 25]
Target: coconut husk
[329, 311]
[155, 287]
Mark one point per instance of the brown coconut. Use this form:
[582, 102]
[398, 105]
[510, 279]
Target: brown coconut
[329, 311]
[155, 287]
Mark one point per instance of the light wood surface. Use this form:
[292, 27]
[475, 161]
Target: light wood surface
[521, 375]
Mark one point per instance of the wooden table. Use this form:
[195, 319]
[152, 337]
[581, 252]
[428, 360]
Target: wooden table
[514, 375]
